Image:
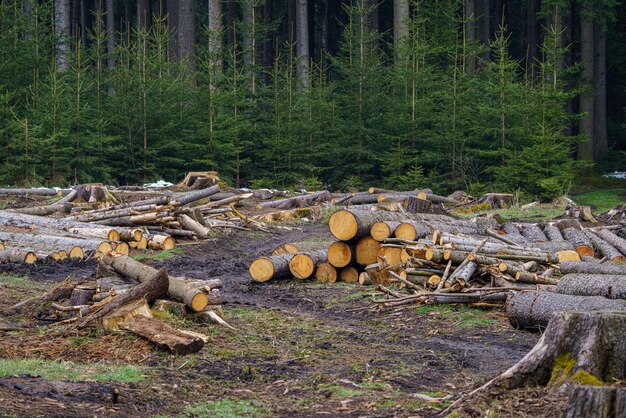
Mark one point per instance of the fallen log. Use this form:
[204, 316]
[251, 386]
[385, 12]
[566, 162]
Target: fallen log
[436, 198]
[568, 267]
[604, 248]
[298, 201]
[340, 254]
[532, 310]
[148, 290]
[616, 241]
[300, 247]
[382, 230]
[17, 255]
[533, 233]
[62, 290]
[60, 206]
[191, 197]
[186, 222]
[513, 233]
[352, 224]
[349, 275]
[265, 268]
[553, 233]
[413, 230]
[302, 265]
[582, 244]
[160, 242]
[36, 192]
[581, 284]
[222, 202]
[180, 289]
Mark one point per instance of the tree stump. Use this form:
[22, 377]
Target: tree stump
[596, 402]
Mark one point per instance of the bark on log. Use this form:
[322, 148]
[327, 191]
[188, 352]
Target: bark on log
[581, 284]
[513, 233]
[582, 244]
[194, 226]
[265, 268]
[52, 242]
[532, 310]
[326, 273]
[416, 205]
[362, 199]
[36, 223]
[17, 255]
[604, 248]
[298, 201]
[262, 194]
[436, 198]
[533, 233]
[35, 192]
[300, 247]
[616, 241]
[303, 265]
[340, 254]
[163, 335]
[116, 213]
[554, 246]
[82, 294]
[596, 402]
[412, 230]
[351, 224]
[180, 289]
[61, 291]
[148, 290]
[191, 197]
[568, 267]
[553, 233]
[160, 242]
[563, 224]
[222, 202]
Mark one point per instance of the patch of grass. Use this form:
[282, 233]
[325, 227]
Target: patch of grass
[342, 392]
[224, 408]
[52, 370]
[327, 213]
[602, 200]
[464, 316]
[14, 280]
[159, 255]
[376, 386]
[537, 213]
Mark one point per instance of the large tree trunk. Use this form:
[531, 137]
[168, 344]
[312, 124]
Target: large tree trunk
[302, 28]
[585, 148]
[62, 33]
[533, 310]
[568, 267]
[215, 32]
[172, 26]
[187, 32]
[400, 22]
[596, 402]
[600, 139]
[580, 284]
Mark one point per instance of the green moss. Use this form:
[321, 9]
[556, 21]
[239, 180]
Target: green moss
[342, 392]
[225, 408]
[562, 372]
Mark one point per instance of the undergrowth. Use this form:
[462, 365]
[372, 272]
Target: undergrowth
[53, 370]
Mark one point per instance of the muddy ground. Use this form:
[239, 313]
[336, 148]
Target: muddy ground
[300, 349]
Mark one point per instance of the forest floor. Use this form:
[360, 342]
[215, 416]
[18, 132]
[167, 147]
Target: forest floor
[300, 349]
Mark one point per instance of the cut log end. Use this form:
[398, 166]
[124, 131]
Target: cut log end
[568, 256]
[302, 266]
[584, 250]
[350, 275]
[339, 254]
[406, 231]
[367, 251]
[77, 253]
[381, 231]
[261, 269]
[343, 225]
[326, 273]
[199, 302]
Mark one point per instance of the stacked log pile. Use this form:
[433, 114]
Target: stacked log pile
[91, 221]
[131, 297]
[532, 269]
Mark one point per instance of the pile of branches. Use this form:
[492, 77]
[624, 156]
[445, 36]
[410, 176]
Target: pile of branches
[124, 299]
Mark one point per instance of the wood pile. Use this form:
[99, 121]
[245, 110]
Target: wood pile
[130, 297]
[91, 220]
[532, 269]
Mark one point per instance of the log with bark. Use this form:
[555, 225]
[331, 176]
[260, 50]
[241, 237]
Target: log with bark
[192, 197]
[60, 291]
[17, 255]
[301, 247]
[303, 265]
[352, 224]
[604, 248]
[34, 192]
[382, 230]
[581, 242]
[533, 233]
[298, 201]
[263, 269]
[568, 267]
[581, 284]
[533, 310]
[596, 402]
[190, 292]
[553, 233]
[613, 239]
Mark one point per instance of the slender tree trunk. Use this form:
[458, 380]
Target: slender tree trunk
[187, 32]
[302, 25]
[600, 140]
[62, 32]
[172, 26]
[231, 17]
[324, 27]
[268, 42]
[533, 34]
[249, 38]
[110, 22]
[469, 35]
[84, 12]
[585, 149]
[400, 22]
[215, 32]
[484, 12]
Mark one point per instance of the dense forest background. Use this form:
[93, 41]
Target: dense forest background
[520, 95]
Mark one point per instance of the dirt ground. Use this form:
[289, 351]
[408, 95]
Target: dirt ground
[300, 349]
